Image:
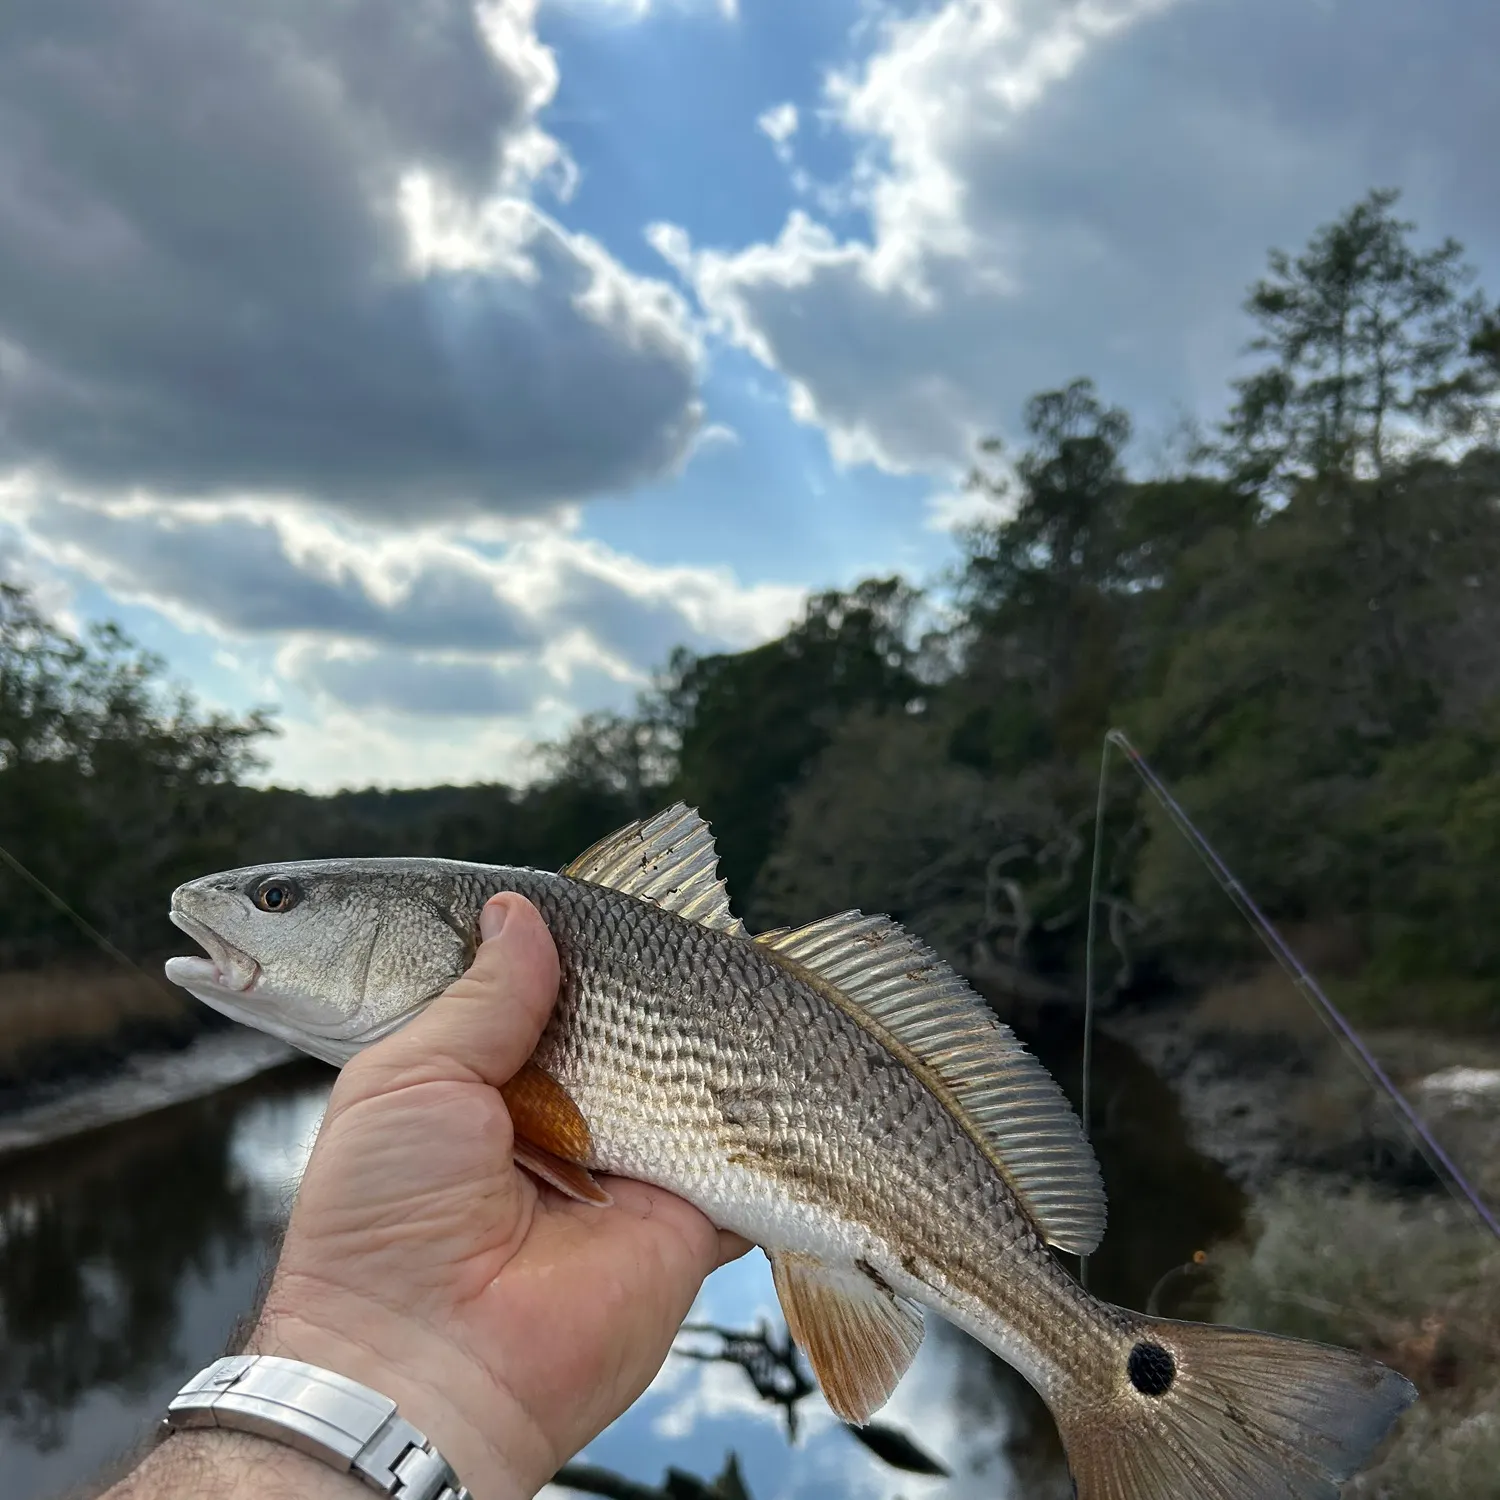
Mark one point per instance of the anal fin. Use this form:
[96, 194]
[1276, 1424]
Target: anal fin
[858, 1338]
[552, 1138]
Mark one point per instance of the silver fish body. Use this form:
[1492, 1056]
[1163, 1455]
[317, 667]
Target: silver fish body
[880, 1165]
[783, 1118]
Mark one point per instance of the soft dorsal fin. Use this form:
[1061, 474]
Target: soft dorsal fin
[993, 1084]
[669, 860]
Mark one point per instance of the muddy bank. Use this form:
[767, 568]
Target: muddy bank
[69, 1022]
[139, 1085]
[84, 1046]
[1271, 1092]
[1229, 1099]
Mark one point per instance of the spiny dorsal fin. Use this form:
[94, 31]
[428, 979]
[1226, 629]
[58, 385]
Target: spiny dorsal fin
[1008, 1100]
[669, 860]
[857, 1337]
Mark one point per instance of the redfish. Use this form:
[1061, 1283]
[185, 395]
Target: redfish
[835, 1093]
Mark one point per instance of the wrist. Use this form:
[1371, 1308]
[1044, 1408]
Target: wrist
[235, 1466]
[477, 1426]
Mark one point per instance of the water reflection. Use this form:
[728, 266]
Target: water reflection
[127, 1258]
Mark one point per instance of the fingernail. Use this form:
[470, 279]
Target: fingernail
[491, 919]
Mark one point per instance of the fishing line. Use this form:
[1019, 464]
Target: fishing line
[1437, 1158]
[1088, 970]
[46, 890]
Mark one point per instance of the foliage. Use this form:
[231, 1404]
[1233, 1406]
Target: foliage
[1415, 1287]
[113, 786]
[750, 725]
[1377, 354]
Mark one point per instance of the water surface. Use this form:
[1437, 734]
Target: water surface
[128, 1257]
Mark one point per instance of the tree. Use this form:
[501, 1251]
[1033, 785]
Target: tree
[1034, 586]
[984, 868]
[750, 724]
[1377, 354]
[1350, 629]
[112, 785]
[1056, 597]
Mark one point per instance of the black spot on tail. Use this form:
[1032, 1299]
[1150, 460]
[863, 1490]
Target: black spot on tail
[1152, 1369]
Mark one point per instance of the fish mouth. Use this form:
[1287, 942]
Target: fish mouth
[226, 969]
[231, 982]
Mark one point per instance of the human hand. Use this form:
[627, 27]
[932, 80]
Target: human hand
[509, 1323]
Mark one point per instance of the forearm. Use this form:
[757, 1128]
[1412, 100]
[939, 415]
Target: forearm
[221, 1461]
[232, 1466]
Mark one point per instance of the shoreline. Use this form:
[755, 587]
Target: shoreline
[1278, 1096]
[144, 1083]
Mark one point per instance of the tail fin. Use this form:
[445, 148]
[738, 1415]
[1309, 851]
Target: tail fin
[1205, 1413]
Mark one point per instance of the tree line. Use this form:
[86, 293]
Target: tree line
[1297, 617]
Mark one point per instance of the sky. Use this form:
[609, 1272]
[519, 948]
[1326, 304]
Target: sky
[428, 369]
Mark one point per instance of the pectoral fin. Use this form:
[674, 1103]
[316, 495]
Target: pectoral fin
[552, 1137]
[858, 1338]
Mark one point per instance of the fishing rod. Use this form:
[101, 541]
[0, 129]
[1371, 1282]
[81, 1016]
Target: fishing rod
[1437, 1158]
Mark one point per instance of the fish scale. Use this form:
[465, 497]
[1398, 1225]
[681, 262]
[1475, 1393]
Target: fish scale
[618, 1011]
[835, 1093]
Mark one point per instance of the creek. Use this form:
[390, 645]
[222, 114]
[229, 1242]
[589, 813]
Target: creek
[129, 1254]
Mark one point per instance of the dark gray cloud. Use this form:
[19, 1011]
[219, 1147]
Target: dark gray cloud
[1090, 189]
[239, 573]
[641, 629]
[203, 285]
[396, 682]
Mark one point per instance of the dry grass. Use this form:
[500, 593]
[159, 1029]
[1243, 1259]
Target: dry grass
[45, 1011]
[1415, 1285]
[1265, 1003]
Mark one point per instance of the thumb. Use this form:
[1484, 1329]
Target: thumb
[489, 1020]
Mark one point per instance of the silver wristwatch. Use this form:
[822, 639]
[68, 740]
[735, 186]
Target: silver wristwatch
[327, 1416]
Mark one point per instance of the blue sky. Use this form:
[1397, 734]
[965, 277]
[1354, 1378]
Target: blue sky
[429, 370]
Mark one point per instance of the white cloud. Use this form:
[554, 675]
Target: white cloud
[531, 619]
[22, 565]
[717, 435]
[875, 335]
[959, 508]
[420, 683]
[338, 747]
[1049, 188]
[779, 124]
[640, 10]
[292, 248]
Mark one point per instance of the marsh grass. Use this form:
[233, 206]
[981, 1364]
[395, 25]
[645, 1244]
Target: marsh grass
[1415, 1284]
[1262, 1003]
[1444, 1003]
[57, 1019]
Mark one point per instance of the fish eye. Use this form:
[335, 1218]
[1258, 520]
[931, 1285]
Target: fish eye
[277, 893]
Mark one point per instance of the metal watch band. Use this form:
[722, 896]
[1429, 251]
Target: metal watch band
[329, 1417]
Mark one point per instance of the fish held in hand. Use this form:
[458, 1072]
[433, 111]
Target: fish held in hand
[835, 1093]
